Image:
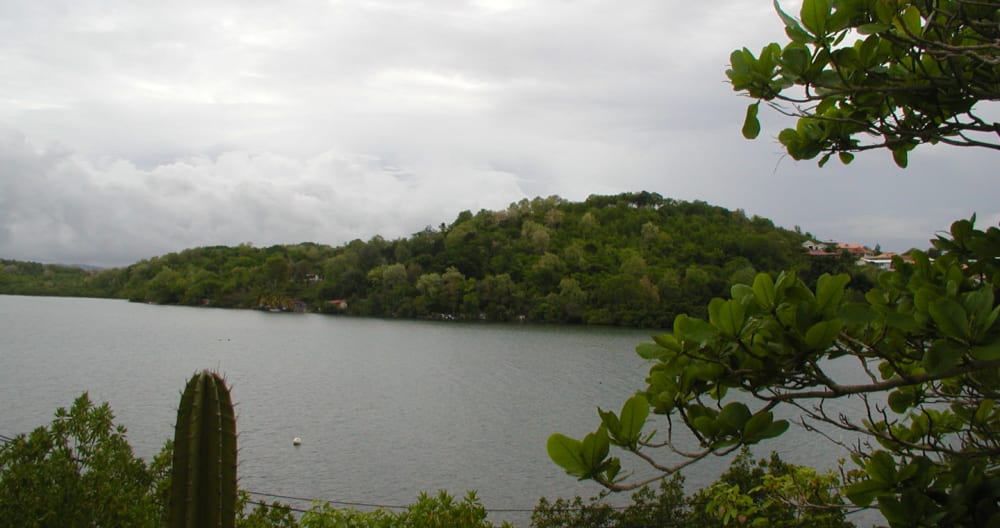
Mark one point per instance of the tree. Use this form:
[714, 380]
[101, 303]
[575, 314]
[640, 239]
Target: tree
[926, 340]
[766, 492]
[875, 74]
[77, 472]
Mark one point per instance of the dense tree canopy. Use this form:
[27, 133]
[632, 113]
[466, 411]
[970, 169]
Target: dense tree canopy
[873, 74]
[634, 259]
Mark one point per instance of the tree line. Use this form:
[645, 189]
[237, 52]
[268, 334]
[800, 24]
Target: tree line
[633, 259]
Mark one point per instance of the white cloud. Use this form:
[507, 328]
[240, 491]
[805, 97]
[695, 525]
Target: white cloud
[60, 206]
[190, 123]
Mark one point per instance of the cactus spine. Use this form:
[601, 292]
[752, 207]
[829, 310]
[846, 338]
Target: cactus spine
[203, 487]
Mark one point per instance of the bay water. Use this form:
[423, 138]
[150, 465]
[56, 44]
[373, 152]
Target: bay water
[385, 409]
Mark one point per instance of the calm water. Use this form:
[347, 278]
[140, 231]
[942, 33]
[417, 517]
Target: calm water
[385, 409]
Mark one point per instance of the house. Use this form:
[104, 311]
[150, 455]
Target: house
[832, 248]
[856, 250]
[882, 261]
[812, 245]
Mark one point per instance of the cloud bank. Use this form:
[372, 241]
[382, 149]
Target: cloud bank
[130, 129]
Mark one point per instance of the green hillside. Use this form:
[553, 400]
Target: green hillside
[634, 259]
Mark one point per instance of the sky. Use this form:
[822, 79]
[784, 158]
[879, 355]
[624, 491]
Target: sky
[130, 129]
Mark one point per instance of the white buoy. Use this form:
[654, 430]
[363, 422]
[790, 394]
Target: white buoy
[296, 441]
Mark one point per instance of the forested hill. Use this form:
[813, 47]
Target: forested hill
[632, 259]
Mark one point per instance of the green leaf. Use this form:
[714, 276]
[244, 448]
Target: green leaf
[751, 125]
[881, 467]
[870, 29]
[789, 137]
[633, 419]
[911, 20]
[829, 291]
[990, 352]
[652, 351]
[756, 426]
[789, 20]
[814, 15]
[941, 356]
[668, 342]
[795, 60]
[611, 422]
[900, 401]
[595, 448]
[735, 415]
[695, 330]
[901, 321]
[740, 62]
[798, 35]
[763, 289]
[567, 453]
[846, 157]
[775, 429]
[863, 493]
[900, 156]
[856, 314]
[741, 293]
[982, 314]
[727, 316]
[822, 334]
[706, 426]
[611, 468]
[985, 410]
[950, 318]
[885, 12]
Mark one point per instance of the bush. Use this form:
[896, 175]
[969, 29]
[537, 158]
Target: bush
[765, 492]
[77, 472]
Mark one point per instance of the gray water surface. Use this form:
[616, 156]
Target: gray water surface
[385, 409]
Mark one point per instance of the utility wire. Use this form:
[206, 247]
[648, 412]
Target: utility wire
[342, 503]
[399, 507]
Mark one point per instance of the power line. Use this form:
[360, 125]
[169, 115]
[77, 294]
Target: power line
[400, 507]
[342, 503]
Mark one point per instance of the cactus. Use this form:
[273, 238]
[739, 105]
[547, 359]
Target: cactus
[203, 479]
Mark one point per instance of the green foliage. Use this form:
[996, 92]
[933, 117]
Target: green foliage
[666, 506]
[439, 511]
[33, 278]
[871, 74]
[769, 493]
[77, 472]
[80, 472]
[203, 480]
[634, 259]
[927, 339]
[262, 515]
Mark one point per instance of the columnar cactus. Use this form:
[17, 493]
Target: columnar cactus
[203, 487]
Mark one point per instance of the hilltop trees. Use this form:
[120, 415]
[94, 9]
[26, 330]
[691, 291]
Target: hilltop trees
[870, 74]
[634, 259]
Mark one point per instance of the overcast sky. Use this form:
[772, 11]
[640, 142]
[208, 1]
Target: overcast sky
[129, 129]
